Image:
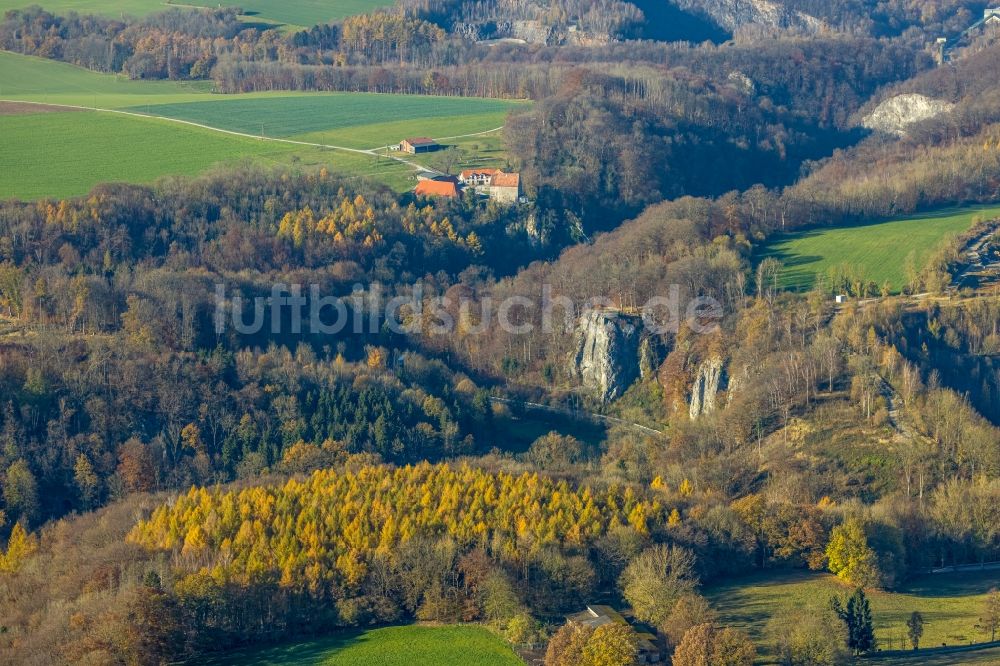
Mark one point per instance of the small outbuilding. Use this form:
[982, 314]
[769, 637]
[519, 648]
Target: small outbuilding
[596, 615]
[419, 144]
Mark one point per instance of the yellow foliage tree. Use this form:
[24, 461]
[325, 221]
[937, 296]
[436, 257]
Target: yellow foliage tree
[20, 546]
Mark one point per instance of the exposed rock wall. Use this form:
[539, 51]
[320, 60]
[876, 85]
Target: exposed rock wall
[735, 14]
[528, 31]
[606, 352]
[707, 382]
[650, 356]
[897, 113]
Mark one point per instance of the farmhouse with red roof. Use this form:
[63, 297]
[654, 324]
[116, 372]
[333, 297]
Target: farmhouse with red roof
[436, 188]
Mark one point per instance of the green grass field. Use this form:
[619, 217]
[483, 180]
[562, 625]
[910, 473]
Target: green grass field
[986, 657]
[950, 603]
[878, 251]
[40, 80]
[292, 13]
[388, 646]
[365, 120]
[64, 154]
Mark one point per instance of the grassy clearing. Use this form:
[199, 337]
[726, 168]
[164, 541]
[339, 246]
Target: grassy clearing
[292, 13]
[41, 80]
[56, 155]
[66, 154]
[878, 252]
[59, 157]
[100, 7]
[380, 134]
[987, 657]
[301, 13]
[950, 603]
[342, 115]
[389, 646]
[485, 150]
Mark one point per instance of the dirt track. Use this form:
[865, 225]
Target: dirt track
[19, 108]
[34, 107]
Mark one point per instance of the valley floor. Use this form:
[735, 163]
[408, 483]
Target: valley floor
[411, 645]
[951, 604]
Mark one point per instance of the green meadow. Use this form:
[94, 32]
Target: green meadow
[300, 13]
[987, 657]
[56, 155]
[876, 251]
[365, 120]
[950, 603]
[388, 646]
[292, 13]
[67, 153]
[40, 80]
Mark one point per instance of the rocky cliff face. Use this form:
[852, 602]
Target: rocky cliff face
[529, 32]
[735, 14]
[650, 356]
[897, 113]
[606, 354]
[707, 382]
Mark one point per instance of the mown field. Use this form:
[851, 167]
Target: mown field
[65, 154]
[950, 603]
[388, 646]
[41, 80]
[987, 657]
[878, 252]
[292, 13]
[357, 120]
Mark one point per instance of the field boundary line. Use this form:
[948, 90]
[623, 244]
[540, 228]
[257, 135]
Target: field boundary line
[258, 137]
[445, 138]
[465, 136]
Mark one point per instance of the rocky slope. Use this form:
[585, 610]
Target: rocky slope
[735, 14]
[707, 383]
[606, 352]
[897, 113]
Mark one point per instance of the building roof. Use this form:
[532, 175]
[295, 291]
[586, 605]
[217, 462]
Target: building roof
[501, 179]
[436, 188]
[469, 173]
[597, 615]
[420, 141]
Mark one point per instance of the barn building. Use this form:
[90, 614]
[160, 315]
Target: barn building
[419, 144]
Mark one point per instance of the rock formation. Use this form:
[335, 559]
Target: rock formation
[707, 382]
[897, 113]
[650, 356]
[606, 354]
[735, 14]
[528, 32]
